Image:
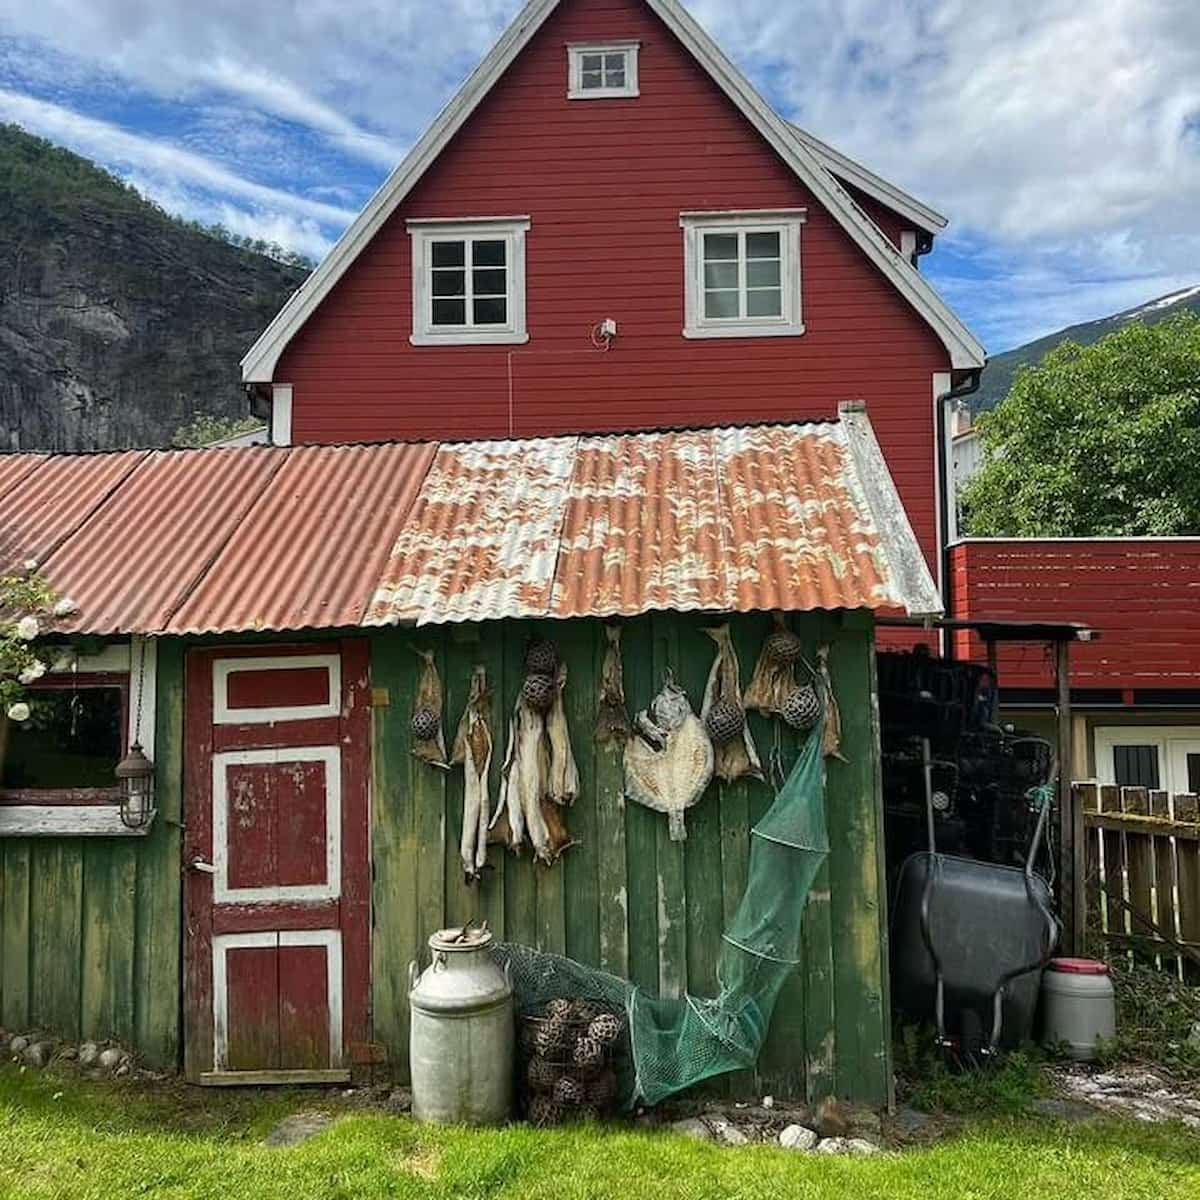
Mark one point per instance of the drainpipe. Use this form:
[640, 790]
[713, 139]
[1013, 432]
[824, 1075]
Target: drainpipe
[968, 387]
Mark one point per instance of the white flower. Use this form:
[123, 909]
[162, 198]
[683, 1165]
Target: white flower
[19, 711]
[33, 672]
[31, 564]
[28, 628]
[66, 607]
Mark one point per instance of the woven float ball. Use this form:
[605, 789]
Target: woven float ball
[426, 724]
[541, 657]
[784, 646]
[802, 709]
[605, 1029]
[538, 691]
[724, 722]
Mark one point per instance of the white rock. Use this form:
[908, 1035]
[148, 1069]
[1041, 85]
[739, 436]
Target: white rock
[89, 1052]
[729, 1134]
[110, 1059]
[1194, 1036]
[693, 1128]
[768, 1102]
[832, 1146]
[37, 1054]
[18, 1045]
[861, 1147]
[797, 1137]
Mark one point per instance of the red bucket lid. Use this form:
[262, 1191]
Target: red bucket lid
[1078, 966]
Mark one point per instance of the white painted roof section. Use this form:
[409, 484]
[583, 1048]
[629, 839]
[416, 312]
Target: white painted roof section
[848, 170]
[964, 349]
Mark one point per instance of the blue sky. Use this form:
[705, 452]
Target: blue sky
[1063, 139]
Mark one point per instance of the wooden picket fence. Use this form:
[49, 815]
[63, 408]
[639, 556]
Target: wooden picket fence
[1143, 874]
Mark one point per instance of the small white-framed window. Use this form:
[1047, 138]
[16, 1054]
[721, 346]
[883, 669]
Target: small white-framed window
[1160, 757]
[605, 71]
[742, 274]
[469, 281]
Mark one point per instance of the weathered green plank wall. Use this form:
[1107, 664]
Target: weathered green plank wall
[629, 899]
[89, 928]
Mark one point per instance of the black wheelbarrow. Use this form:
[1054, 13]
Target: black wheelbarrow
[969, 942]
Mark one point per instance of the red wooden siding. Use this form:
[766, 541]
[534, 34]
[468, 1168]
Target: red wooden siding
[604, 183]
[1142, 594]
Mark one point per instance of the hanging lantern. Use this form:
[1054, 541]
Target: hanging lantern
[135, 775]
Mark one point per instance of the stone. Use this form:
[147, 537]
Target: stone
[693, 1128]
[110, 1059]
[300, 1127]
[865, 1120]
[400, 1100]
[68, 1054]
[89, 1052]
[860, 1147]
[797, 1137]
[122, 1070]
[36, 1054]
[833, 1119]
[768, 1102]
[1194, 1036]
[833, 1145]
[728, 1134]
[1073, 1111]
[18, 1045]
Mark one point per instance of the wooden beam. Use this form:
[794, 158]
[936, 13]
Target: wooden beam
[66, 820]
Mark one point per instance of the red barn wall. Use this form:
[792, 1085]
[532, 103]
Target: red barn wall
[1142, 594]
[604, 183]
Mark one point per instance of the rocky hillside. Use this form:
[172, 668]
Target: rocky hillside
[118, 323]
[1002, 369]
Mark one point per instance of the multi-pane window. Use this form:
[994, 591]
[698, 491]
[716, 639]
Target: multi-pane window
[603, 72]
[743, 274]
[469, 281]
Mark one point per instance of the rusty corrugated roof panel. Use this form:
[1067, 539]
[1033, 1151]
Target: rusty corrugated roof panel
[139, 555]
[46, 505]
[794, 517]
[482, 539]
[264, 538]
[310, 552]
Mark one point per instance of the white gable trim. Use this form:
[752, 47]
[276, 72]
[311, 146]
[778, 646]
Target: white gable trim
[849, 171]
[965, 351]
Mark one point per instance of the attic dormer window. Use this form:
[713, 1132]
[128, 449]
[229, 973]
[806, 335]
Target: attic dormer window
[603, 71]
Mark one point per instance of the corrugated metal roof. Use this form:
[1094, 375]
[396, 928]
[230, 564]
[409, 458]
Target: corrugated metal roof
[791, 517]
[727, 520]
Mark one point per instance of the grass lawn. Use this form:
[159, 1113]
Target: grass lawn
[62, 1138]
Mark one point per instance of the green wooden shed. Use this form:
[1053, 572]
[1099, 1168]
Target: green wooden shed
[268, 640]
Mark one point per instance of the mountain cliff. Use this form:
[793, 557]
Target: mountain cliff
[118, 323]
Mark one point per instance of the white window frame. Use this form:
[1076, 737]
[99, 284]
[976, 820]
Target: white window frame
[1165, 738]
[787, 224]
[575, 57]
[424, 233]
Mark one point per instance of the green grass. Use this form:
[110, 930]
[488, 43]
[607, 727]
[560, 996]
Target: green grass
[64, 1139]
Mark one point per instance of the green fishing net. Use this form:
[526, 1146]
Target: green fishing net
[677, 1043]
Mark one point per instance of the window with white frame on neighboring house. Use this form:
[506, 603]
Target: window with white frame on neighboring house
[603, 72]
[469, 281]
[1163, 758]
[742, 274]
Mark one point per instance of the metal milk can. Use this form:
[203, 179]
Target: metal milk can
[462, 1033]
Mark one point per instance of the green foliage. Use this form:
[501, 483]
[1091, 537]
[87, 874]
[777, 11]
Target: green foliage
[31, 607]
[205, 429]
[1097, 441]
[41, 183]
[1156, 1017]
[1006, 1089]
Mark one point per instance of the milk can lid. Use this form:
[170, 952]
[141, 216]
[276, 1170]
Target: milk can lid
[461, 939]
[1078, 966]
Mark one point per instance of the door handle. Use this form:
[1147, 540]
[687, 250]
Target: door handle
[205, 868]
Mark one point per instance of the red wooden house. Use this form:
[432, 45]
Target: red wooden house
[608, 229]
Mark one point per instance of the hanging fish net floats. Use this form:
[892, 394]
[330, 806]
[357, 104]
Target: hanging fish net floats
[676, 1043]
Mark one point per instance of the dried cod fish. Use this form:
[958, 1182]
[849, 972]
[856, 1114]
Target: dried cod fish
[737, 757]
[564, 771]
[612, 721]
[431, 698]
[473, 746]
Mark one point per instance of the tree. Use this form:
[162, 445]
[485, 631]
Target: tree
[1097, 441]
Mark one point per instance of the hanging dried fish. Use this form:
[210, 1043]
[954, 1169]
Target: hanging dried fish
[429, 742]
[734, 752]
[473, 745]
[564, 771]
[833, 713]
[559, 839]
[774, 678]
[526, 778]
[669, 764]
[612, 721]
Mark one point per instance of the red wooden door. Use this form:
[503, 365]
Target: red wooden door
[276, 854]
